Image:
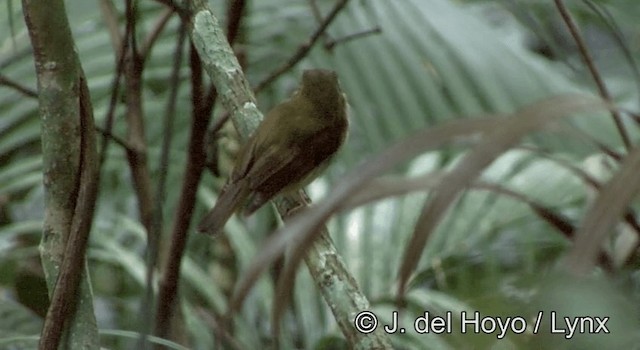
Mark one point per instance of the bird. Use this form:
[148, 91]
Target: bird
[289, 149]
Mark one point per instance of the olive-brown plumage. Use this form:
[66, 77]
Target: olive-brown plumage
[288, 150]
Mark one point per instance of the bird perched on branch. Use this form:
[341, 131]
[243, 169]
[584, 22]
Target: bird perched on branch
[288, 150]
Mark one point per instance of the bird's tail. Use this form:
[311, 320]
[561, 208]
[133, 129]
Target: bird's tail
[228, 202]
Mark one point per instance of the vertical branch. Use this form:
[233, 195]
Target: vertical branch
[137, 155]
[70, 175]
[153, 244]
[196, 158]
[120, 47]
[234, 16]
[168, 290]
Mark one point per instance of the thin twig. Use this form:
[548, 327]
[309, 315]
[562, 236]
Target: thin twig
[136, 138]
[331, 44]
[168, 287]
[155, 33]
[315, 10]
[304, 49]
[618, 35]
[604, 93]
[115, 91]
[163, 169]
[183, 12]
[551, 217]
[588, 60]
[16, 86]
[219, 123]
[110, 17]
[219, 330]
[115, 138]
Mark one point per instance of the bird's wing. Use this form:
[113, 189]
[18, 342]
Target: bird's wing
[264, 178]
[271, 161]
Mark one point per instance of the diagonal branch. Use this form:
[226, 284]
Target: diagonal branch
[588, 60]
